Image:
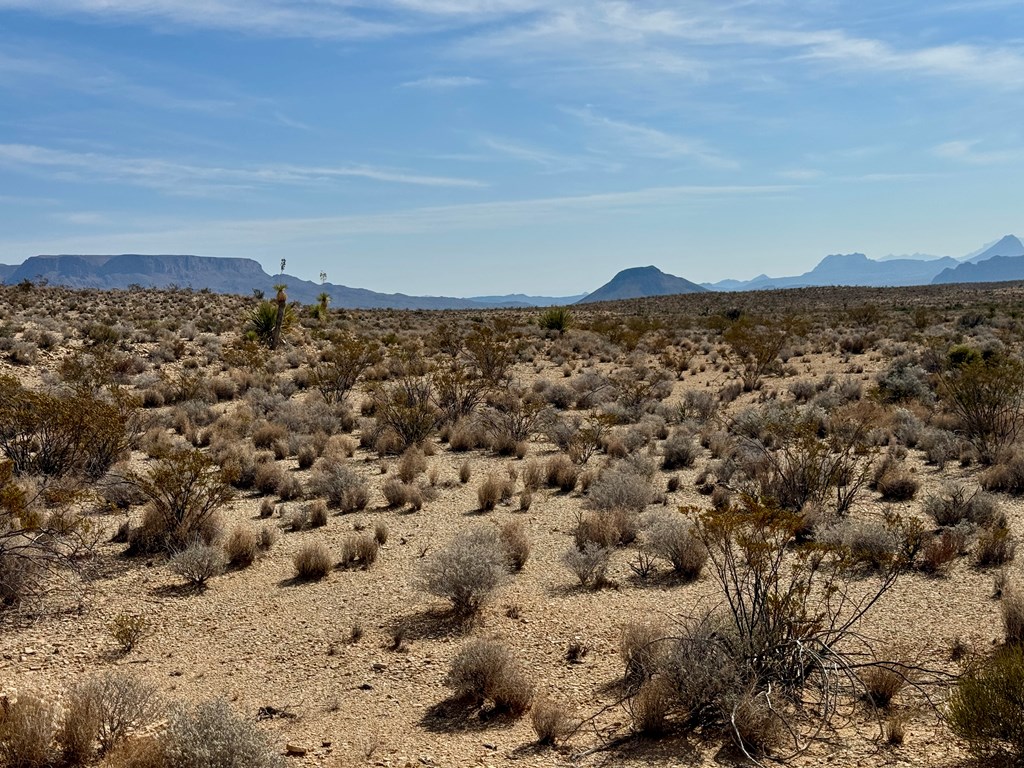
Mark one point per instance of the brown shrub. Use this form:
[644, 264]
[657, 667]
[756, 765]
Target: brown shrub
[516, 543]
[312, 562]
[269, 477]
[641, 648]
[484, 670]
[550, 721]
[411, 465]
[562, 473]
[996, 546]
[465, 472]
[359, 551]
[28, 730]
[241, 546]
[1012, 610]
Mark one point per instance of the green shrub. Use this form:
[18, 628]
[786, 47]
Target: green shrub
[556, 319]
[986, 709]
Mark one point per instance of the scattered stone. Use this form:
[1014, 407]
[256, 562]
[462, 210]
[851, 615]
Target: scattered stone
[294, 750]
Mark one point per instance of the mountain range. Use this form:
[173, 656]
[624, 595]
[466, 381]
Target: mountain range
[995, 262]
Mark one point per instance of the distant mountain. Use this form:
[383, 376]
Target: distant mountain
[6, 270]
[1007, 246]
[522, 300]
[640, 282]
[222, 275]
[992, 270]
[849, 269]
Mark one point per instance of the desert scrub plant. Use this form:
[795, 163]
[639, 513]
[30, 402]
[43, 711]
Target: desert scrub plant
[516, 543]
[589, 564]
[550, 721]
[492, 490]
[755, 345]
[557, 319]
[406, 409]
[996, 546]
[359, 550]
[344, 488]
[210, 735]
[672, 537]
[102, 711]
[199, 563]
[1011, 609]
[955, 504]
[642, 646]
[184, 491]
[620, 488]
[468, 570]
[312, 561]
[985, 391]
[986, 709]
[265, 323]
[241, 546]
[28, 731]
[484, 670]
[679, 452]
[341, 366]
[128, 630]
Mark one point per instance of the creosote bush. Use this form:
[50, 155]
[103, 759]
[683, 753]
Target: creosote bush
[986, 709]
[199, 563]
[345, 489]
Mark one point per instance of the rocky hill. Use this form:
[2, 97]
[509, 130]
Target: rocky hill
[639, 282]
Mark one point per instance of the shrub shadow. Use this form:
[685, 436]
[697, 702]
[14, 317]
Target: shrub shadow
[461, 713]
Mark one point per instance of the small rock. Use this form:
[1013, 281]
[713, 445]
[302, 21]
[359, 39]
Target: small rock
[379, 666]
[365, 687]
[325, 743]
[294, 750]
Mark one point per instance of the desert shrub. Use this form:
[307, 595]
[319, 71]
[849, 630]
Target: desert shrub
[465, 472]
[394, 492]
[672, 537]
[755, 346]
[904, 381]
[380, 532]
[650, 706]
[882, 682]
[269, 477]
[1011, 609]
[341, 366]
[558, 319]
[940, 551]
[562, 473]
[467, 435]
[641, 648]
[534, 475]
[290, 488]
[104, 710]
[492, 490]
[241, 546]
[589, 564]
[986, 393]
[359, 551]
[1007, 475]
[679, 452]
[896, 484]
[199, 563]
[345, 489]
[184, 491]
[312, 561]
[28, 729]
[986, 709]
[64, 433]
[484, 670]
[955, 505]
[468, 570]
[549, 720]
[306, 456]
[210, 735]
[412, 464]
[756, 726]
[620, 489]
[510, 419]
[516, 543]
[996, 546]
[315, 514]
[406, 409]
[128, 630]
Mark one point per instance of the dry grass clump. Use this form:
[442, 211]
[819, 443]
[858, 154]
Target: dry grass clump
[550, 721]
[241, 546]
[1011, 609]
[671, 536]
[28, 732]
[882, 682]
[562, 473]
[210, 735]
[679, 452]
[312, 561]
[516, 543]
[492, 490]
[620, 489]
[650, 706]
[411, 465]
[589, 564]
[955, 504]
[996, 546]
[359, 551]
[641, 647]
[484, 670]
[468, 570]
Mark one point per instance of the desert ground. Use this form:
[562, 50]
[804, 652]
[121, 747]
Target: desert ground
[586, 500]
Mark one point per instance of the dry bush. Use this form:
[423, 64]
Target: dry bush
[359, 551]
[468, 570]
[269, 477]
[241, 546]
[672, 537]
[492, 490]
[516, 543]
[562, 473]
[1011, 609]
[589, 564]
[28, 730]
[128, 630]
[344, 488]
[465, 472]
[210, 735]
[550, 721]
[650, 706]
[756, 727]
[312, 562]
[484, 670]
[882, 682]
[380, 532]
[411, 465]
[533, 475]
[940, 551]
[620, 489]
[467, 435]
[106, 709]
[641, 648]
[199, 563]
[316, 513]
[679, 452]
[306, 456]
[525, 500]
[955, 504]
[290, 488]
[1007, 475]
[896, 484]
[996, 546]
[394, 491]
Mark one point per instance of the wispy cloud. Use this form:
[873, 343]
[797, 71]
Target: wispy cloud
[547, 160]
[443, 83]
[183, 178]
[643, 141]
[971, 153]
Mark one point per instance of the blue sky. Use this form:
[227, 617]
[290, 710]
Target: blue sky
[466, 147]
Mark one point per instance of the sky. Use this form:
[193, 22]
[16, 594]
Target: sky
[471, 147]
